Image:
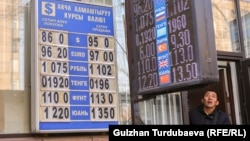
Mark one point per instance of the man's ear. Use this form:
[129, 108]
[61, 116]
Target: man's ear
[202, 101]
[217, 103]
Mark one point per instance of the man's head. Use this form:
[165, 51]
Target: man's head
[210, 99]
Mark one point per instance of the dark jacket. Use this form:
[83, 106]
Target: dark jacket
[198, 117]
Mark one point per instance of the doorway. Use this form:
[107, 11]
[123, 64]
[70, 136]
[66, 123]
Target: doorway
[246, 89]
[226, 88]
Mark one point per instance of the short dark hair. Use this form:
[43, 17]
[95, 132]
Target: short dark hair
[211, 91]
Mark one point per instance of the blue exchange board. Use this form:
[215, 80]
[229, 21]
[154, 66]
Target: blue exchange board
[76, 57]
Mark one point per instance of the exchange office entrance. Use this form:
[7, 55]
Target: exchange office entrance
[226, 88]
[246, 96]
[232, 89]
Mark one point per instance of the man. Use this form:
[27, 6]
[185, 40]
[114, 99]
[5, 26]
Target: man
[208, 113]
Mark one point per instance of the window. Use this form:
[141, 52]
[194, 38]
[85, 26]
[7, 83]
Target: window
[225, 26]
[245, 17]
[14, 61]
[164, 109]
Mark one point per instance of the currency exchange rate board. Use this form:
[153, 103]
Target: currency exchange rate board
[74, 67]
[171, 45]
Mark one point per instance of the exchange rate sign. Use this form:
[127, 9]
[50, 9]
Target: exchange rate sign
[74, 67]
[173, 45]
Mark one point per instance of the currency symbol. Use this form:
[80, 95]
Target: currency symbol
[78, 40]
[48, 10]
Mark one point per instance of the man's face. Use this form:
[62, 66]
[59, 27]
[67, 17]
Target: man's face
[210, 99]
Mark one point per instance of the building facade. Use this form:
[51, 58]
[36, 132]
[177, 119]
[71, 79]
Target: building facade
[231, 20]
[231, 39]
